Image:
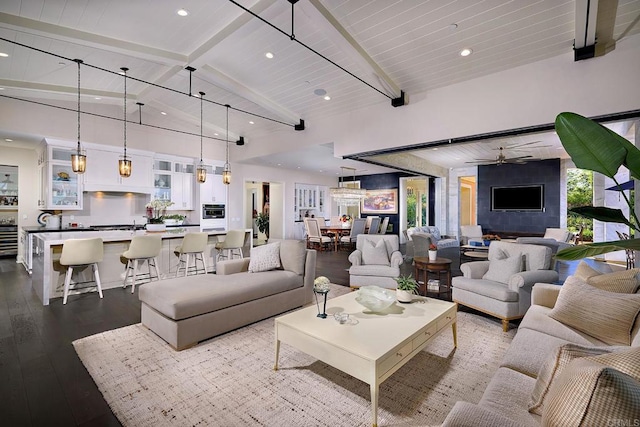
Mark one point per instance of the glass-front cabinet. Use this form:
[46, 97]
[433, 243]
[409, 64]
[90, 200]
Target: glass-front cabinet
[60, 187]
[311, 199]
[173, 179]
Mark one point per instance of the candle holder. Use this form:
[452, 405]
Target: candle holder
[323, 292]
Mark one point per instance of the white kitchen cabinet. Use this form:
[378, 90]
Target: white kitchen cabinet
[213, 190]
[174, 179]
[102, 171]
[313, 198]
[60, 188]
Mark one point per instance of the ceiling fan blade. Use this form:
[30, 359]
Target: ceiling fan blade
[523, 144]
[519, 157]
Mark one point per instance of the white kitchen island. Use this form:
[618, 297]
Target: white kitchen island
[47, 278]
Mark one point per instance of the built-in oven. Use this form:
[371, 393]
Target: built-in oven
[213, 211]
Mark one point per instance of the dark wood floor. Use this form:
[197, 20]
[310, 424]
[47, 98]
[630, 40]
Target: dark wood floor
[42, 381]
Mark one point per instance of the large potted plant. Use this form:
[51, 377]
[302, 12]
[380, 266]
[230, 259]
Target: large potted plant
[596, 148]
[262, 222]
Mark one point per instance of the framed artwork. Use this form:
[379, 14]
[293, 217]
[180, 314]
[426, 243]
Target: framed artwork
[380, 202]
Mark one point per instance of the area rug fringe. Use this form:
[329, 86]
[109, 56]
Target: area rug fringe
[229, 380]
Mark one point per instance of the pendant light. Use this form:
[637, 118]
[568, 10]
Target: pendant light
[79, 159]
[347, 196]
[226, 172]
[201, 172]
[124, 164]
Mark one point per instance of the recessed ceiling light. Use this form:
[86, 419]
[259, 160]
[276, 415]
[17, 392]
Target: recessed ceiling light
[269, 55]
[3, 55]
[327, 98]
[466, 52]
[279, 164]
[320, 92]
[298, 167]
[163, 113]
[1, 88]
[251, 122]
[121, 73]
[453, 27]
[182, 12]
[196, 95]
[435, 149]
[321, 170]
[97, 98]
[8, 139]
[215, 134]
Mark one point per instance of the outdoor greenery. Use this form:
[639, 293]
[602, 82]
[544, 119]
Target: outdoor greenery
[579, 193]
[595, 148]
[262, 222]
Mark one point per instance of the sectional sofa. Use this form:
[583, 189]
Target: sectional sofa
[581, 371]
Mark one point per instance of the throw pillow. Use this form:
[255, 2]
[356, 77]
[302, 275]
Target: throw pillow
[435, 232]
[293, 254]
[265, 257]
[593, 391]
[375, 253]
[501, 270]
[553, 367]
[607, 316]
[624, 281]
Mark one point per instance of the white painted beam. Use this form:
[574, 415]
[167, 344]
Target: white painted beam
[585, 23]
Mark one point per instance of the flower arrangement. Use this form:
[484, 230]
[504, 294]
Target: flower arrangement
[345, 218]
[156, 209]
[321, 284]
[490, 237]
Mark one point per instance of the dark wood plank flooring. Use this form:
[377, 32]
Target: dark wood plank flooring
[42, 381]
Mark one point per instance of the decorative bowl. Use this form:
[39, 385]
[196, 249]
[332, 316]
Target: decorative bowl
[375, 298]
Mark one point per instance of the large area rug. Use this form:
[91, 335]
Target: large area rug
[229, 380]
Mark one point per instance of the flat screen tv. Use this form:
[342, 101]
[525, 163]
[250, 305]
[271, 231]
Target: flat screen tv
[528, 198]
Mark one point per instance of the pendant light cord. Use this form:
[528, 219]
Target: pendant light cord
[78, 61]
[125, 69]
[227, 133]
[201, 102]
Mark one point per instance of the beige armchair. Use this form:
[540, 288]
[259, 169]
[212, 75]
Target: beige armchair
[376, 261]
[501, 286]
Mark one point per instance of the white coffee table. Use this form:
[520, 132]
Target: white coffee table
[372, 346]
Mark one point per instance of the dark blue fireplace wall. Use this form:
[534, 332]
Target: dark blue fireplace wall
[384, 181]
[546, 172]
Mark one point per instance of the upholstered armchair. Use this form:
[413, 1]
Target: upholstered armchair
[376, 261]
[501, 286]
[470, 233]
[434, 236]
[554, 238]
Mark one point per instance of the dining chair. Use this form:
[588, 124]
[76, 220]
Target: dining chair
[315, 237]
[357, 227]
[385, 225]
[374, 227]
[369, 219]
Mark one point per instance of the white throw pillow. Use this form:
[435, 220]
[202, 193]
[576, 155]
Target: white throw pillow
[265, 257]
[501, 270]
[375, 253]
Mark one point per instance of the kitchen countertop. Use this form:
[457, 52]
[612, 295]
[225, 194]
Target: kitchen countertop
[43, 229]
[56, 237]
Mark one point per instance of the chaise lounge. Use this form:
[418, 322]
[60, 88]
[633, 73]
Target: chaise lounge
[185, 310]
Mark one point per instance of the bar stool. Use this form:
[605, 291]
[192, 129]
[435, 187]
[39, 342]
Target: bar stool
[142, 248]
[81, 253]
[231, 245]
[193, 244]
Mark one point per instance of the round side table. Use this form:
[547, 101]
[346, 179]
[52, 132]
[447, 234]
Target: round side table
[422, 267]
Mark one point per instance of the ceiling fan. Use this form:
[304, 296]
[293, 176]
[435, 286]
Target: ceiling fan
[501, 159]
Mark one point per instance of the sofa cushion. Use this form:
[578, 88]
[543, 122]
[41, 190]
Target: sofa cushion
[537, 319]
[265, 257]
[293, 254]
[607, 316]
[559, 234]
[488, 288]
[624, 281]
[375, 253]
[501, 270]
[596, 390]
[553, 367]
[508, 393]
[184, 297]
[374, 270]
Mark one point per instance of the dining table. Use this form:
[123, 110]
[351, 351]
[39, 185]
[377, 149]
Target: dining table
[338, 231]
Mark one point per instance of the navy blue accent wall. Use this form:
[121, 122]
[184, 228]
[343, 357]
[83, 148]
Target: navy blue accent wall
[384, 181]
[546, 172]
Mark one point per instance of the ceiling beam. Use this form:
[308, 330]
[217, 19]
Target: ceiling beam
[585, 29]
[61, 90]
[323, 19]
[84, 38]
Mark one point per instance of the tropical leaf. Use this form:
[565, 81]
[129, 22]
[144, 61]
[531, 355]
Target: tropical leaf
[632, 160]
[590, 145]
[592, 249]
[602, 213]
